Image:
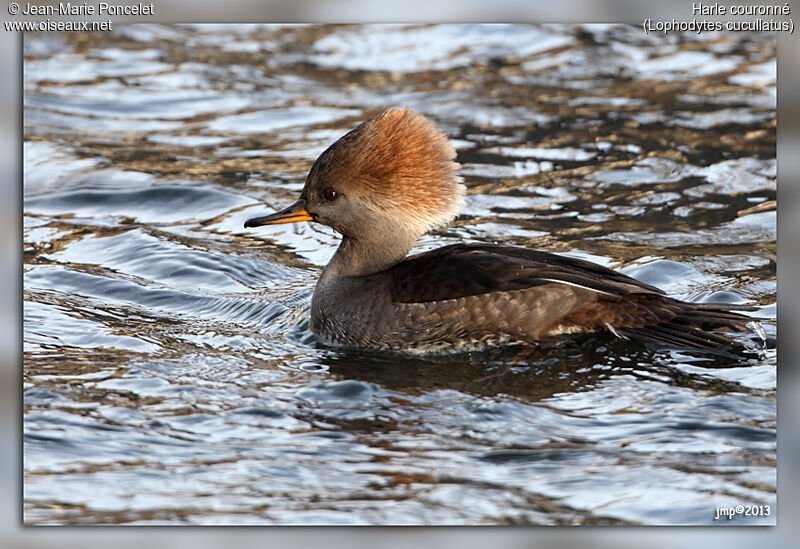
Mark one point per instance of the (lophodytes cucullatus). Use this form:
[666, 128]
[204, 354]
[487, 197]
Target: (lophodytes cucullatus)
[387, 182]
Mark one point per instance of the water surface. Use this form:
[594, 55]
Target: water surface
[170, 376]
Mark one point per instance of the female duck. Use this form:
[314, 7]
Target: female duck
[391, 179]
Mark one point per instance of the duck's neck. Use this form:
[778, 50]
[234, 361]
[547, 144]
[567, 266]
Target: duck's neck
[363, 256]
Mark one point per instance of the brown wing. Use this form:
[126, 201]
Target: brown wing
[472, 269]
[508, 289]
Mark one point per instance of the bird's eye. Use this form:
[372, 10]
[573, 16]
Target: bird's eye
[330, 193]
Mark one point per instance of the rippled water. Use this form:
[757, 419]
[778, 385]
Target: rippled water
[170, 375]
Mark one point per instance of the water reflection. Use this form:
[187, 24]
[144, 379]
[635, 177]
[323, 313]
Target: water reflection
[170, 375]
[530, 373]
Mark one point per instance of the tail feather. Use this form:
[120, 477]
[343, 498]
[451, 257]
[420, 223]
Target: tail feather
[714, 316]
[690, 325]
[677, 336]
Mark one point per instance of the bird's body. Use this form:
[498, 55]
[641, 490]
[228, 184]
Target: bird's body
[388, 181]
[471, 295]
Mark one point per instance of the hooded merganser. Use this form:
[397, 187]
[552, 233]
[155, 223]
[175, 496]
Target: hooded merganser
[388, 181]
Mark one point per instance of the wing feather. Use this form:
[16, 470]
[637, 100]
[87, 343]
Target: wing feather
[602, 299]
